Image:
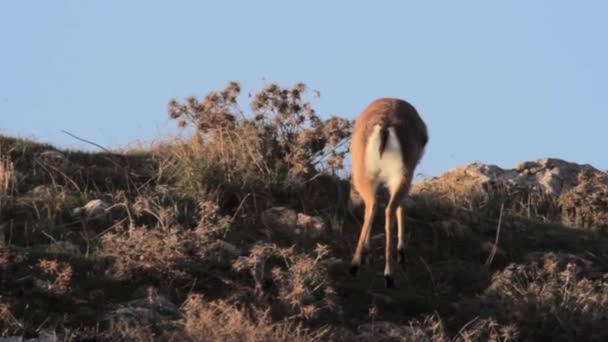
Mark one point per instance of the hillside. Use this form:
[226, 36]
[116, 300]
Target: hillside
[154, 261]
[241, 238]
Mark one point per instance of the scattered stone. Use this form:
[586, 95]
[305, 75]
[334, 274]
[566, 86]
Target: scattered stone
[488, 247]
[314, 225]
[455, 228]
[40, 191]
[388, 331]
[55, 159]
[93, 208]
[222, 251]
[151, 309]
[65, 247]
[333, 264]
[227, 247]
[43, 336]
[382, 298]
[292, 223]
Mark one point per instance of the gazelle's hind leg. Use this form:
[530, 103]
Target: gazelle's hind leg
[370, 209]
[388, 254]
[397, 191]
[400, 243]
[400, 219]
[366, 256]
[368, 194]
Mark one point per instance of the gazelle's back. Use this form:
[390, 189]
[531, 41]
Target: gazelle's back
[410, 132]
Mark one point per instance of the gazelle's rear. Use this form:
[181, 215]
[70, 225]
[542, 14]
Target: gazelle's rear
[387, 144]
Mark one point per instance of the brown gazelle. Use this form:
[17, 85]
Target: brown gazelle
[388, 141]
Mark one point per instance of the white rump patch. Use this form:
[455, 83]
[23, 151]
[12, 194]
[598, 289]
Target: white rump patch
[388, 170]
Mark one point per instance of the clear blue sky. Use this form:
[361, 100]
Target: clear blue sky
[496, 81]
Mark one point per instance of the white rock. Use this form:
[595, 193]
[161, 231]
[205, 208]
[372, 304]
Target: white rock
[95, 207]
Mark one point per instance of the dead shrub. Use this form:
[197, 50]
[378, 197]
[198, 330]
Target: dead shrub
[281, 140]
[487, 329]
[432, 328]
[57, 277]
[586, 204]
[9, 324]
[166, 248]
[121, 330]
[9, 258]
[552, 295]
[222, 321]
[429, 329]
[298, 282]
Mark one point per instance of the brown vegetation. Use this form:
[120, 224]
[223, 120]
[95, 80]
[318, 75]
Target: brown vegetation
[180, 253]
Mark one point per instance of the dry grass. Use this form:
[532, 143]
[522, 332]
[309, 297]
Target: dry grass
[552, 295]
[223, 321]
[165, 248]
[8, 179]
[586, 205]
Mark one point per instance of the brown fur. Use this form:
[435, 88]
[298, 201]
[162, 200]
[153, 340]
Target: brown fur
[412, 136]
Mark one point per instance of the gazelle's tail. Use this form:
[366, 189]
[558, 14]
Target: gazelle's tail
[384, 132]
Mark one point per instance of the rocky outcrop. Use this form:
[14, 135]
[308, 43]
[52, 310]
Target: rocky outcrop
[580, 191]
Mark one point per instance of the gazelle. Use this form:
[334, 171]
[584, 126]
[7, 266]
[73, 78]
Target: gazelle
[387, 143]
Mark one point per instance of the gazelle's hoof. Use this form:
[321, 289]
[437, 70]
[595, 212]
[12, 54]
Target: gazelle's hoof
[389, 282]
[353, 270]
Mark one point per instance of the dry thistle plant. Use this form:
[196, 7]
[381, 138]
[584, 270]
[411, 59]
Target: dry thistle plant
[59, 276]
[8, 322]
[553, 293]
[282, 138]
[301, 280]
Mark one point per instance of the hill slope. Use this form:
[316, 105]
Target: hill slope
[123, 246]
